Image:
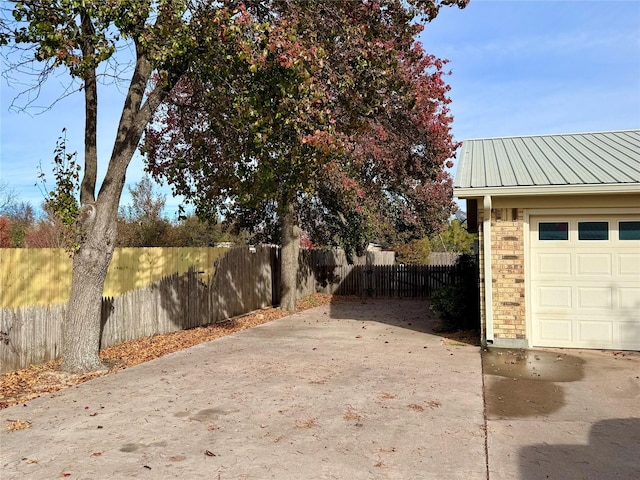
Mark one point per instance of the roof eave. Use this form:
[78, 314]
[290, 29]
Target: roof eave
[538, 190]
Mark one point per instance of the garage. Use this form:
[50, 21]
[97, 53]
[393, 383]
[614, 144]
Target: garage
[585, 281]
[558, 223]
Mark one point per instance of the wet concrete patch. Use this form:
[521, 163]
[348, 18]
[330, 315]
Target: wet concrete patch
[527, 383]
[533, 364]
[518, 398]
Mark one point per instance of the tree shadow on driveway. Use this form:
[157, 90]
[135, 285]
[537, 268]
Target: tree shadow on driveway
[409, 314]
[613, 452]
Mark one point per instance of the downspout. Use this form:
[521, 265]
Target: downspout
[488, 277]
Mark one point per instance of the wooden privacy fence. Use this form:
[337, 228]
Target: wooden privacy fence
[42, 276]
[410, 281]
[242, 282]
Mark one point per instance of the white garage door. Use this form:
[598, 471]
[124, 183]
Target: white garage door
[585, 281]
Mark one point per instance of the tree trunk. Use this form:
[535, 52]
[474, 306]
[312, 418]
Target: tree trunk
[82, 327]
[98, 221]
[290, 253]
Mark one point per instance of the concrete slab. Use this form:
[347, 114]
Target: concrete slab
[361, 390]
[562, 414]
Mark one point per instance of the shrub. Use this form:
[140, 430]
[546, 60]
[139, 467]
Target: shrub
[458, 305]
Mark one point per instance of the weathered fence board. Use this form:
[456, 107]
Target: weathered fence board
[42, 276]
[242, 283]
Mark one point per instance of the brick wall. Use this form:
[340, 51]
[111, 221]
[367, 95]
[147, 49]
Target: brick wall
[507, 260]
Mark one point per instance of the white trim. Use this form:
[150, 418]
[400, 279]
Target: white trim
[607, 188]
[526, 226]
[584, 211]
[488, 277]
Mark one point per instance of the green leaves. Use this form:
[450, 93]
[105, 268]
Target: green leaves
[79, 35]
[62, 201]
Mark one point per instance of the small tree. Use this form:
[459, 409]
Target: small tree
[8, 196]
[454, 239]
[61, 204]
[21, 217]
[416, 252]
[5, 232]
[141, 224]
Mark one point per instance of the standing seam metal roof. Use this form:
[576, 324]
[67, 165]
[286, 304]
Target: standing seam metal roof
[596, 158]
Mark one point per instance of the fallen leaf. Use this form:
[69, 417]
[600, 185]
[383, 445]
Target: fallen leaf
[15, 425]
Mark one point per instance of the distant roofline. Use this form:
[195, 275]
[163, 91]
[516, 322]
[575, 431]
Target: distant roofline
[554, 134]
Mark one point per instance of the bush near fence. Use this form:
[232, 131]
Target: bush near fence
[242, 281]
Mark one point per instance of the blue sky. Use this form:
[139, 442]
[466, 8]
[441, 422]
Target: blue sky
[519, 67]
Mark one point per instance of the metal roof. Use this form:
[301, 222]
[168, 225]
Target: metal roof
[562, 163]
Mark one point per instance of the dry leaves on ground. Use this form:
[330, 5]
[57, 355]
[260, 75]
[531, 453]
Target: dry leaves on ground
[23, 385]
[14, 425]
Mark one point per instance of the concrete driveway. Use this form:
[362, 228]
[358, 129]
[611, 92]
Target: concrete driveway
[354, 390]
[562, 414]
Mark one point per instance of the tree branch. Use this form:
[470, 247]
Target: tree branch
[88, 186]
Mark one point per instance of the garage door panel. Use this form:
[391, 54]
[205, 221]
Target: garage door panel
[629, 334]
[553, 264]
[555, 331]
[588, 264]
[629, 299]
[595, 297]
[590, 331]
[629, 264]
[584, 293]
[553, 297]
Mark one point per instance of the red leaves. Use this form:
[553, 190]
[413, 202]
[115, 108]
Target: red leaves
[267, 110]
[5, 232]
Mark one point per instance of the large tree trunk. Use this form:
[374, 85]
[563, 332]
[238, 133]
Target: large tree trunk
[97, 223]
[290, 253]
[82, 327]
